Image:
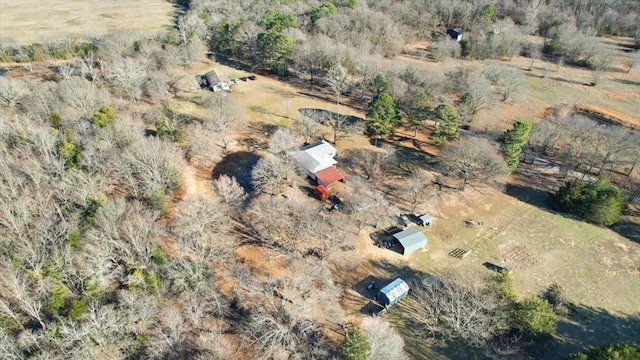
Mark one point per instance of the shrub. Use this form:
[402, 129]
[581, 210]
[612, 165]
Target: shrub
[70, 151]
[74, 238]
[58, 299]
[325, 10]
[504, 283]
[554, 295]
[104, 117]
[167, 129]
[619, 351]
[78, 307]
[90, 210]
[158, 256]
[534, 318]
[355, 346]
[55, 119]
[600, 202]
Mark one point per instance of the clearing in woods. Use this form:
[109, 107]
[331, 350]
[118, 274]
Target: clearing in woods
[55, 19]
[596, 267]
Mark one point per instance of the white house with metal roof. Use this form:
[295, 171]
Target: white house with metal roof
[317, 160]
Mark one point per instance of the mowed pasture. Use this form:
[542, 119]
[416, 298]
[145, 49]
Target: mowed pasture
[29, 21]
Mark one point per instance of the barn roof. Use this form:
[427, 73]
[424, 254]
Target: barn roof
[411, 240]
[329, 175]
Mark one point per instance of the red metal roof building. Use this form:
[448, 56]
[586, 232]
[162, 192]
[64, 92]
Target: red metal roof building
[328, 176]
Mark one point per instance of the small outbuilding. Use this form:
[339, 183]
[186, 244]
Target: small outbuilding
[425, 219]
[455, 33]
[411, 240]
[393, 292]
[216, 81]
[322, 193]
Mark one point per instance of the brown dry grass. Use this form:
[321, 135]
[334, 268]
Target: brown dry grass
[617, 93]
[28, 21]
[512, 226]
[594, 266]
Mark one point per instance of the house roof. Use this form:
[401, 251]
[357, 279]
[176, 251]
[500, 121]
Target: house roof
[215, 77]
[395, 290]
[329, 175]
[411, 239]
[320, 149]
[312, 164]
[316, 157]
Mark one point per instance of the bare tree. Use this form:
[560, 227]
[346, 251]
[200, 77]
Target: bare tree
[385, 342]
[66, 70]
[189, 26]
[150, 169]
[313, 55]
[230, 192]
[415, 187]
[632, 60]
[338, 79]
[280, 325]
[88, 67]
[611, 146]
[82, 95]
[508, 78]
[156, 88]
[224, 118]
[477, 94]
[115, 45]
[170, 337]
[307, 127]
[20, 296]
[368, 207]
[578, 137]
[271, 174]
[11, 92]
[446, 48]
[533, 52]
[633, 153]
[452, 308]
[344, 125]
[202, 229]
[398, 88]
[289, 234]
[126, 76]
[282, 141]
[373, 162]
[202, 145]
[543, 138]
[471, 159]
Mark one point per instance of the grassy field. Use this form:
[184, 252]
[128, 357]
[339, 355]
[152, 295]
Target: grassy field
[27, 21]
[617, 93]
